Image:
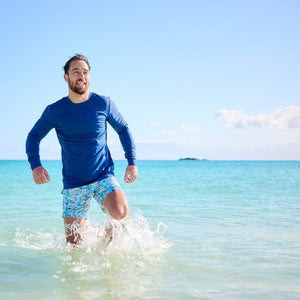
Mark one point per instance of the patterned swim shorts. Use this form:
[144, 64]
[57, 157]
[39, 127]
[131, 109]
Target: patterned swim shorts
[76, 201]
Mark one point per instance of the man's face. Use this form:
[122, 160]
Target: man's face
[78, 77]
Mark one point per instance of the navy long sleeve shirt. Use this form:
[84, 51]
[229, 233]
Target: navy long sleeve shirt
[81, 129]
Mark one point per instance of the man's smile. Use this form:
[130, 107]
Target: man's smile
[80, 83]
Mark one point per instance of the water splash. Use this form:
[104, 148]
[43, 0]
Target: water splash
[29, 238]
[118, 269]
[132, 240]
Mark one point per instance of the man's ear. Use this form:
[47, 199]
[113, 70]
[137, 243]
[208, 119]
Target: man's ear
[66, 77]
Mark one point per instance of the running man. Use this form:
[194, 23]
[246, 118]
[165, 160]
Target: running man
[80, 121]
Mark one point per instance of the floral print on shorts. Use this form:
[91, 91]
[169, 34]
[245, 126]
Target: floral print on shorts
[76, 201]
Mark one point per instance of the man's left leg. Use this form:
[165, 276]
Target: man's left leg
[112, 199]
[116, 205]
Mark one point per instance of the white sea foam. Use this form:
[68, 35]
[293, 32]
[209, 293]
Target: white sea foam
[132, 241]
[38, 239]
[127, 264]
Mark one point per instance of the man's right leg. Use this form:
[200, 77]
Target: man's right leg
[76, 202]
[74, 229]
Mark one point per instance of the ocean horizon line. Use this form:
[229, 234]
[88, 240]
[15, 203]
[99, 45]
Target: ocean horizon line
[179, 159]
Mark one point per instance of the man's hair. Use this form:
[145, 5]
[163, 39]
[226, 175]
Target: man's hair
[75, 57]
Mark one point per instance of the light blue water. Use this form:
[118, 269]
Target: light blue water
[198, 230]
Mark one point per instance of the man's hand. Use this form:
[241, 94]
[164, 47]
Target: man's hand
[131, 174]
[40, 175]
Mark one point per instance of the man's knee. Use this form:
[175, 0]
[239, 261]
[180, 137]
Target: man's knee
[120, 212]
[124, 211]
[116, 205]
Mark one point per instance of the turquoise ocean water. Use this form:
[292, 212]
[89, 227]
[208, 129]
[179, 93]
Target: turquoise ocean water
[198, 230]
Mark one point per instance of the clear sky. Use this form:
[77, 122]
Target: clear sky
[193, 78]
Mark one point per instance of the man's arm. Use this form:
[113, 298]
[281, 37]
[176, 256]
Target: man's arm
[129, 148]
[37, 133]
[116, 120]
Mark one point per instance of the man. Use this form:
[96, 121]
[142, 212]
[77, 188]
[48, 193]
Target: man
[80, 122]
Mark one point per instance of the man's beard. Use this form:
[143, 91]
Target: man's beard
[77, 90]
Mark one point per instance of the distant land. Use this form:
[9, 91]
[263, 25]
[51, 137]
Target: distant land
[191, 158]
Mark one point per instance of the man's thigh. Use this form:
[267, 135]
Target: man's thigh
[104, 188]
[115, 203]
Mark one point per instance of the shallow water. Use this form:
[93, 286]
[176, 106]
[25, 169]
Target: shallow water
[198, 230]
[40, 262]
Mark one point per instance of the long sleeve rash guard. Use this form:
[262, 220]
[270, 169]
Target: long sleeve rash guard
[82, 133]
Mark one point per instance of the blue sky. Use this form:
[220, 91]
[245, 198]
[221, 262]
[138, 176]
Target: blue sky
[206, 79]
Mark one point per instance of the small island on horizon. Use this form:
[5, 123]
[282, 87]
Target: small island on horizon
[192, 158]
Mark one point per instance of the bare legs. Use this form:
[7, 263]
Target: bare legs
[116, 205]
